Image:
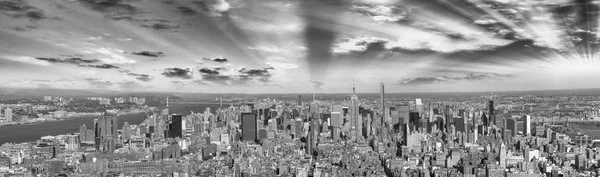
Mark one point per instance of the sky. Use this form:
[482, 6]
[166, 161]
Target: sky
[300, 46]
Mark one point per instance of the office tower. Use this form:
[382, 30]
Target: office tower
[511, 124]
[485, 120]
[413, 118]
[106, 136]
[404, 115]
[176, 126]
[491, 108]
[8, 114]
[299, 100]
[336, 116]
[354, 113]
[419, 105]
[72, 143]
[311, 141]
[461, 124]
[126, 132]
[249, 128]
[82, 131]
[526, 125]
[448, 117]
[502, 155]
[382, 107]
[314, 109]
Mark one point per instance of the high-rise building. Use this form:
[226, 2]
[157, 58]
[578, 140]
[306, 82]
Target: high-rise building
[354, 114]
[82, 131]
[526, 125]
[491, 108]
[382, 107]
[126, 132]
[106, 133]
[460, 124]
[511, 124]
[249, 127]
[8, 114]
[419, 105]
[175, 127]
[502, 155]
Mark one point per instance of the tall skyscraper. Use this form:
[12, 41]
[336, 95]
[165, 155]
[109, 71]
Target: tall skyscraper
[419, 105]
[82, 131]
[526, 125]
[382, 108]
[126, 132]
[491, 108]
[106, 136]
[249, 127]
[502, 155]
[511, 124]
[354, 122]
[8, 114]
[176, 126]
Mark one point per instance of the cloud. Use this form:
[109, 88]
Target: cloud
[149, 54]
[382, 13]
[76, 61]
[316, 84]
[92, 63]
[243, 76]
[113, 9]
[111, 56]
[140, 77]
[161, 26]
[98, 83]
[184, 73]
[449, 79]
[20, 9]
[104, 66]
[217, 59]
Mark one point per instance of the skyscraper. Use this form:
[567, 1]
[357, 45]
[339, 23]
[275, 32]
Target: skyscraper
[8, 114]
[382, 108]
[419, 105]
[249, 128]
[354, 122]
[176, 126]
[511, 124]
[126, 132]
[526, 125]
[106, 133]
[491, 108]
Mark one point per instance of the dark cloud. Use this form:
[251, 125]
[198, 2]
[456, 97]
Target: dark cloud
[149, 54]
[103, 66]
[141, 77]
[161, 26]
[448, 79]
[20, 9]
[92, 63]
[113, 9]
[218, 59]
[178, 73]
[76, 61]
[98, 83]
[243, 76]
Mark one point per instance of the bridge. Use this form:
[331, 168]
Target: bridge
[563, 120]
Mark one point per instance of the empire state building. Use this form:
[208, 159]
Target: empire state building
[354, 114]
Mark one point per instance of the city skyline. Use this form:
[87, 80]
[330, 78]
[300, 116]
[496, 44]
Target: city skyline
[267, 46]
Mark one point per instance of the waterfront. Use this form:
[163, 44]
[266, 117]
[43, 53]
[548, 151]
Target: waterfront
[18, 133]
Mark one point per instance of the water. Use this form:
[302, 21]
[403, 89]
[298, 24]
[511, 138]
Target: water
[33, 132]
